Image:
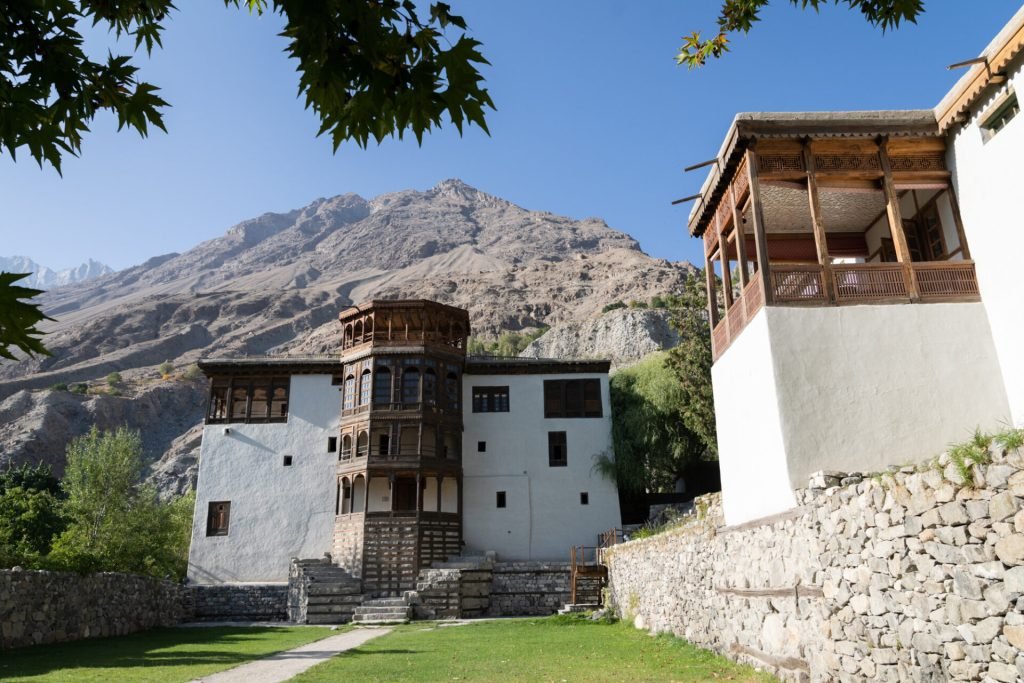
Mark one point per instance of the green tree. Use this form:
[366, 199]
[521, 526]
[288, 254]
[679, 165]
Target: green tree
[690, 361]
[30, 514]
[740, 15]
[652, 445]
[37, 477]
[18, 319]
[114, 522]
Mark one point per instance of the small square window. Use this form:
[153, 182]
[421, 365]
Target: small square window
[501, 499]
[584, 498]
[287, 461]
[481, 446]
[332, 444]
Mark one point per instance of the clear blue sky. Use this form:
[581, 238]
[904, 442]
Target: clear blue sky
[594, 119]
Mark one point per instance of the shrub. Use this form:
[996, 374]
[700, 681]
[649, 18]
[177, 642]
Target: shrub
[79, 388]
[59, 386]
[614, 306]
[113, 379]
[193, 373]
[165, 369]
[638, 304]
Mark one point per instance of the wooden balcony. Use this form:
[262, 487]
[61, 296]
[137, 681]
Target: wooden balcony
[848, 284]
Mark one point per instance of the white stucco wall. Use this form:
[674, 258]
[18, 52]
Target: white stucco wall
[751, 451]
[543, 517]
[988, 180]
[277, 512]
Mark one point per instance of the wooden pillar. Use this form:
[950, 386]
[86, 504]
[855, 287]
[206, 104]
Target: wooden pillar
[366, 493]
[709, 274]
[419, 494]
[458, 488]
[723, 259]
[892, 210]
[419, 439]
[440, 480]
[391, 489]
[741, 238]
[817, 225]
[757, 215]
[954, 206]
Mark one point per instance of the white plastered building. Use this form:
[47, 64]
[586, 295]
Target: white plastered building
[398, 453]
[865, 268]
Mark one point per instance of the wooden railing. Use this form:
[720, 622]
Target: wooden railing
[585, 563]
[853, 283]
[798, 284]
[947, 281]
[863, 282]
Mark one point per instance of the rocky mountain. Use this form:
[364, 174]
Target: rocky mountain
[623, 336]
[46, 278]
[275, 284]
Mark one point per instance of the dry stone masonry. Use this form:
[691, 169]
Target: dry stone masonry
[39, 607]
[905, 576]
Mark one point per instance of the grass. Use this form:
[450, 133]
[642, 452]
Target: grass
[542, 649]
[167, 655]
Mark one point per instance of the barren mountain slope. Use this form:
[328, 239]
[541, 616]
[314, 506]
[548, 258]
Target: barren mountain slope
[275, 284]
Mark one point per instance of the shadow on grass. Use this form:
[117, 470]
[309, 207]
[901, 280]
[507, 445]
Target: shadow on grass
[168, 647]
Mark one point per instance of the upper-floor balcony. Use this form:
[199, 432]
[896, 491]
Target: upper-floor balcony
[830, 221]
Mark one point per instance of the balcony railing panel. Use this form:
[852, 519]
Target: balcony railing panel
[798, 284]
[861, 282]
[946, 280]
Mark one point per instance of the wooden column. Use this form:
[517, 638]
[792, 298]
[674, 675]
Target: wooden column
[723, 259]
[895, 215]
[440, 480]
[954, 206]
[817, 225]
[458, 485]
[709, 274]
[757, 215]
[366, 493]
[419, 494]
[741, 238]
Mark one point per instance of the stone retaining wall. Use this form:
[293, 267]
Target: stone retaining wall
[251, 601]
[39, 607]
[906, 576]
[528, 588]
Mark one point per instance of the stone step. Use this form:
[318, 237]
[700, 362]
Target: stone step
[334, 589]
[385, 602]
[328, 618]
[366, 620]
[384, 611]
[579, 607]
[354, 600]
[330, 609]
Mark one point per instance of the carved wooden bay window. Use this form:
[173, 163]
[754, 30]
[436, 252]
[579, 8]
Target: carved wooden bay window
[572, 398]
[248, 399]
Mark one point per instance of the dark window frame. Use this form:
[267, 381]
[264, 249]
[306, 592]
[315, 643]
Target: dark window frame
[573, 398]
[501, 499]
[481, 446]
[558, 449]
[584, 498]
[218, 522]
[287, 461]
[491, 399]
[228, 394]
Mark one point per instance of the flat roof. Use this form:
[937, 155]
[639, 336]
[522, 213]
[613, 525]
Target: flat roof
[475, 365]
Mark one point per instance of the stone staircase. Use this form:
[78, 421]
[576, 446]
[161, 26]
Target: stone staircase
[383, 611]
[320, 592]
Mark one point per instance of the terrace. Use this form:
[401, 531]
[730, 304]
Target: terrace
[830, 210]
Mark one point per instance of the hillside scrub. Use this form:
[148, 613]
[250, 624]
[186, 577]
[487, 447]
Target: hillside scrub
[507, 345]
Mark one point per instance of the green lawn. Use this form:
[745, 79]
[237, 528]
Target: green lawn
[168, 655]
[551, 649]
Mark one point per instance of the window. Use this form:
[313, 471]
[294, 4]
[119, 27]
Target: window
[584, 498]
[349, 393]
[481, 446]
[248, 399]
[429, 386]
[1002, 113]
[364, 388]
[451, 384]
[411, 385]
[362, 445]
[346, 447]
[217, 517]
[500, 499]
[557, 450]
[572, 398]
[382, 386]
[287, 461]
[332, 444]
[490, 399]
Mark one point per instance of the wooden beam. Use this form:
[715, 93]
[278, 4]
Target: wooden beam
[757, 215]
[741, 238]
[709, 275]
[892, 208]
[817, 224]
[954, 205]
[723, 259]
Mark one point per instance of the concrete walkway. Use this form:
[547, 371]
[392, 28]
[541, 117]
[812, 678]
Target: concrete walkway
[285, 665]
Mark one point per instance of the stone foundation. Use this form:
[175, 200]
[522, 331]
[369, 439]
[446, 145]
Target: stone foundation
[528, 588]
[904, 576]
[241, 602]
[38, 607]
